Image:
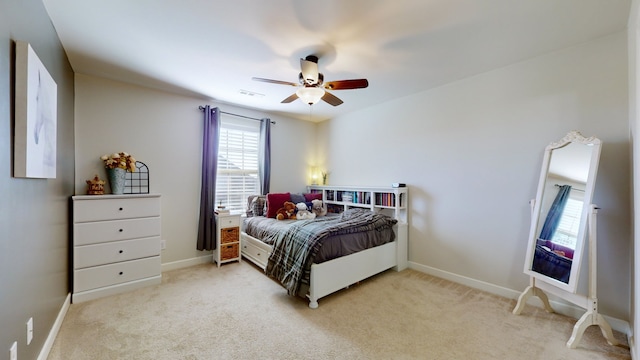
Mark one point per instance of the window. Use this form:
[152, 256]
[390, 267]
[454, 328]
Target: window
[567, 231]
[237, 176]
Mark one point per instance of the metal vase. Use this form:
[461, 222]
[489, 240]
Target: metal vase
[116, 180]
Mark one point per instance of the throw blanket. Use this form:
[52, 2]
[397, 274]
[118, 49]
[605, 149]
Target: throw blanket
[295, 247]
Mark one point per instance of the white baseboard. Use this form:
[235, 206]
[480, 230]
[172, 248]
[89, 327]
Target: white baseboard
[48, 344]
[187, 262]
[563, 308]
[476, 284]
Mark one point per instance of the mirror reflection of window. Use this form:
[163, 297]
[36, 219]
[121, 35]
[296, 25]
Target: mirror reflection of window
[566, 233]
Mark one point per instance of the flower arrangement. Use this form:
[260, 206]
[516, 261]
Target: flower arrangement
[120, 160]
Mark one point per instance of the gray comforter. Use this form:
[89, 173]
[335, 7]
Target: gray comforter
[295, 246]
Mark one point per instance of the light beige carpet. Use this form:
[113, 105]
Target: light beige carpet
[236, 312]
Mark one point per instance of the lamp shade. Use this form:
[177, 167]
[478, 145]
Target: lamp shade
[310, 95]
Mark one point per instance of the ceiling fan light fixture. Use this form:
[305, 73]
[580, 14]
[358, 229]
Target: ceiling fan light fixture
[310, 95]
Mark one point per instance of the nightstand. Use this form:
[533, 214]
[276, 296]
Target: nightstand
[228, 239]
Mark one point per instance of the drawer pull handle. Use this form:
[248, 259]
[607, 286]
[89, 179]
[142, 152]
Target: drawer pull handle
[258, 254]
[120, 230]
[121, 209]
[120, 273]
[121, 251]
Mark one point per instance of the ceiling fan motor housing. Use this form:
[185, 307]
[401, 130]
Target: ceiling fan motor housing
[312, 58]
[311, 81]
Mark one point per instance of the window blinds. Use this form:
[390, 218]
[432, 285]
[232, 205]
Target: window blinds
[237, 176]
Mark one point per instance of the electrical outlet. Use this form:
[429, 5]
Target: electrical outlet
[29, 330]
[163, 244]
[13, 351]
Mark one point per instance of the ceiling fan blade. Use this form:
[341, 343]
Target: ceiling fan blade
[274, 81]
[346, 84]
[309, 71]
[290, 98]
[331, 99]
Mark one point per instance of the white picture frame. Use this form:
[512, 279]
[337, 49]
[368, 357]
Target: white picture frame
[35, 127]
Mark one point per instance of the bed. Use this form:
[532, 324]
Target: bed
[314, 258]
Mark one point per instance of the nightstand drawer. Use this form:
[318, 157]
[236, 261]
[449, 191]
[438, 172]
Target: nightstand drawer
[228, 221]
[105, 275]
[116, 251]
[228, 235]
[231, 251]
[114, 209]
[105, 231]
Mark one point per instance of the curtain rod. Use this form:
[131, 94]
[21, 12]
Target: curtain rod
[242, 116]
[572, 188]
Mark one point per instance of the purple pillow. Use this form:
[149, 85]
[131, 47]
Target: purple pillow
[313, 196]
[275, 201]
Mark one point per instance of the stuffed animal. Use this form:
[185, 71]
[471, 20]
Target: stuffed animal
[317, 208]
[303, 212]
[287, 211]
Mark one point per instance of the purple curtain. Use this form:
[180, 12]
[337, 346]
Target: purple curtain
[207, 224]
[555, 213]
[264, 161]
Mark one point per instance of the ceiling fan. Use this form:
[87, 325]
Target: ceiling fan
[312, 87]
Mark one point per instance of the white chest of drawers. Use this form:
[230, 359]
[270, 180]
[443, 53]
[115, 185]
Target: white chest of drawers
[116, 244]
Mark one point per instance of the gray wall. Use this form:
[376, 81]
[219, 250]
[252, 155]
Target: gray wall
[34, 221]
[471, 152]
[634, 119]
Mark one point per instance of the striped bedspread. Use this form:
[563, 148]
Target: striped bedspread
[295, 246]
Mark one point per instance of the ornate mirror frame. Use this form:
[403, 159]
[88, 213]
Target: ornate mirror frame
[541, 202]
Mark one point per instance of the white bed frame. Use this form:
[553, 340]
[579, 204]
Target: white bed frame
[331, 276]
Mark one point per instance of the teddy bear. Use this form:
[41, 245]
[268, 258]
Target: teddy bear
[287, 211]
[317, 208]
[303, 212]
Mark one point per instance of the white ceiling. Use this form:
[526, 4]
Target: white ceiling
[212, 48]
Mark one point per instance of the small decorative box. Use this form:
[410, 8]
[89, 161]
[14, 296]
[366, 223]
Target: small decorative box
[95, 186]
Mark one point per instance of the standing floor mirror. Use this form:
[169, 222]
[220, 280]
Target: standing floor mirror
[563, 218]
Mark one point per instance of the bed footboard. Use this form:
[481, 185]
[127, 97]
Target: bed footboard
[331, 276]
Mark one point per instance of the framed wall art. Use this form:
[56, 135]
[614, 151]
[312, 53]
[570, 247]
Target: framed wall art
[35, 126]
